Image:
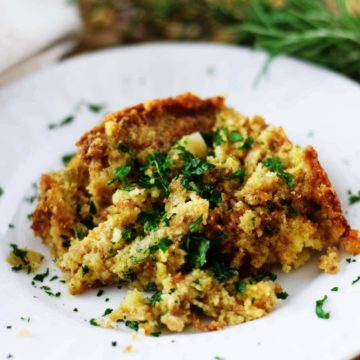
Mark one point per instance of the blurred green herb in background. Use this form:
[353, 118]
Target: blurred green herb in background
[323, 32]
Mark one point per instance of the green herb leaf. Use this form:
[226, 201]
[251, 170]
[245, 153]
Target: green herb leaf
[66, 121]
[155, 299]
[93, 322]
[235, 136]
[356, 280]
[320, 312]
[353, 199]
[124, 148]
[151, 286]
[335, 288]
[222, 272]
[164, 244]
[95, 108]
[85, 269]
[67, 157]
[196, 225]
[277, 166]
[282, 295]
[130, 275]
[107, 312]
[150, 220]
[240, 287]
[247, 143]
[238, 174]
[120, 174]
[197, 248]
[134, 325]
[41, 277]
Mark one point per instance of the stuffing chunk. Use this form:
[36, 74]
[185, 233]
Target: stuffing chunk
[190, 204]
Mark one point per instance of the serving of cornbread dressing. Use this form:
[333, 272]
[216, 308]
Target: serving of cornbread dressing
[193, 202]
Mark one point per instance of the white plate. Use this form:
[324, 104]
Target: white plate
[313, 105]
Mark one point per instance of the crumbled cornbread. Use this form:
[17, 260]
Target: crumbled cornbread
[191, 201]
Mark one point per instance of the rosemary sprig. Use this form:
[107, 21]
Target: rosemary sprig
[307, 29]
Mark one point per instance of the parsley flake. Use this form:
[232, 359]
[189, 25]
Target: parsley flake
[41, 277]
[155, 299]
[196, 225]
[356, 280]
[320, 312]
[277, 166]
[164, 244]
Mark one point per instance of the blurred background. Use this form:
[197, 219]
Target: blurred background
[325, 32]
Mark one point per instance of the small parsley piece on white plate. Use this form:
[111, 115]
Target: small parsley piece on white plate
[336, 288]
[356, 280]
[320, 312]
[353, 198]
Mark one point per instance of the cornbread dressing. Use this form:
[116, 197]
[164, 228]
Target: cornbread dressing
[191, 201]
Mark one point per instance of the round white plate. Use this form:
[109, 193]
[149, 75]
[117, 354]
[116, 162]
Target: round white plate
[313, 105]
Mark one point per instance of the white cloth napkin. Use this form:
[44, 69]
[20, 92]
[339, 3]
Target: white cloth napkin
[29, 26]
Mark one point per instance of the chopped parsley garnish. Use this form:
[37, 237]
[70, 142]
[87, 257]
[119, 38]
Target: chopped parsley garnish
[211, 193]
[150, 220]
[75, 310]
[219, 358]
[155, 299]
[350, 260]
[30, 216]
[277, 166]
[107, 312]
[93, 322]
[124, 148]
[11, 226]
[95, 108]
[120, 174]
[356, 280]
[65, 241]
[1, 191]
[27, 319]
[164, 244]
[151, 286]
[235, 136]
[67, 157]
[282, 295]
[156, 333]
[240, 287]
[219, 136]
[134, 325]
[335, 288]
[127, 235]
[130, 275]
[160, 165]
[353, 198]
[79, 233]
[20, 253]
[85, 269]
[196, 225]
[222, 272]
[263, 276]
[320, 312]
[48, 291]
[66, 121]
[41, 277]
[238, 174]
[247, 143]
[197, 248]
[137, 261]
[113, 343]
[100, 292]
